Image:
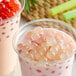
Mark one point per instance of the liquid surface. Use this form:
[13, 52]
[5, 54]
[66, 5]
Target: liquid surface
[46, 45]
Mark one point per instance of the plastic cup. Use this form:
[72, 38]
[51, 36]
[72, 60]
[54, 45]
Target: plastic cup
[34, 68]
[8, 58]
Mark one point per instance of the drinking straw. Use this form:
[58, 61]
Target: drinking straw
[63, 7]
[69, 15]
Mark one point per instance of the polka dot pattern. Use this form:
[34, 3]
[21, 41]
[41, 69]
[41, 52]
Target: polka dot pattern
[6, 30]
[53, 70]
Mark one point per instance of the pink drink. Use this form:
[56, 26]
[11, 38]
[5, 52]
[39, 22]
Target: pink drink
[45, 51]
[9, 23]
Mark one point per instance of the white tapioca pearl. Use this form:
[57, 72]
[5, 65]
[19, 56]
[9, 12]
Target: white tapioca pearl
[61, 41]
[35, 51]
[29, 42]
[38, 35]
[67, 46]
[32, 37]
[49, 43]
[41, 53]
[42, 33]
[27, 47]
[45, 59]
[62, 56]
[54, 41]
[56, 49]
[9, 10]
[32, 56]
[45, 49]
[53, 53]
[49, 55]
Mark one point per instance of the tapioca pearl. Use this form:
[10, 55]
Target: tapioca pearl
[53, 72]
[3, 33]
[38, 70]
[4, 28]
[66, 67]
[7, 36]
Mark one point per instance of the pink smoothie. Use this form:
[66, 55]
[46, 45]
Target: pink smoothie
[8, 58]
[46, 52]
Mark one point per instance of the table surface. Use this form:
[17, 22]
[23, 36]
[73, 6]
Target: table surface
[17, 69]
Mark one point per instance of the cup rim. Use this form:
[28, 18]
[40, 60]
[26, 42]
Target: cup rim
[23, 5]
[28, 23]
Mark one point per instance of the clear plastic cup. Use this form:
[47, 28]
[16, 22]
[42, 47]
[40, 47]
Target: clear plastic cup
[8, 58]
[34, 68]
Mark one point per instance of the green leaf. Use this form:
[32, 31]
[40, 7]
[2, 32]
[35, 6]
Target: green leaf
[63, 7]
[28, 4]
[69, 15]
